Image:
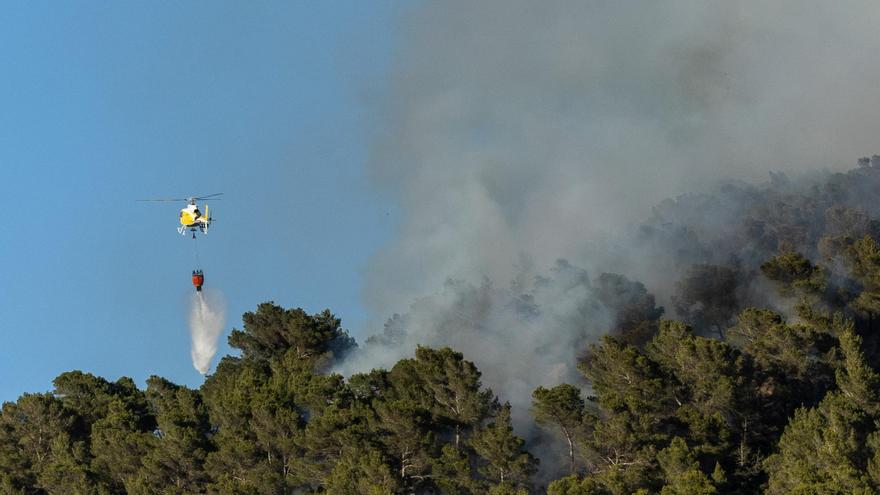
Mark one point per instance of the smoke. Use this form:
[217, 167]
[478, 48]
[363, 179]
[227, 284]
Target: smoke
[515, 133]
[547, 318]
[538, 130]
[207, 315]
[513, 129]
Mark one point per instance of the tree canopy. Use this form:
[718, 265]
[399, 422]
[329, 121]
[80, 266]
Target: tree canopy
[763, 380]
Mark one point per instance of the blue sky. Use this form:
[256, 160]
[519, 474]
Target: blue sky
[106, 102]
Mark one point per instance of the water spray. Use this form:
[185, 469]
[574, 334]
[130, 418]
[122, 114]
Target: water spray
[206, 320]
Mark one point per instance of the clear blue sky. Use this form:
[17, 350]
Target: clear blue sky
[105, 102]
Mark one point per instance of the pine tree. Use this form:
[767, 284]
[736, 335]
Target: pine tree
[118, 445]
[572, 485]
[47, 437]
[362, 472]
[829, 449]
[682, 471]
[454, 387]
[176, 464]
[864, 261]
[857, 381]
[505, 459]
[272, 331]
[405, 431]
[561, 407]
[796, 275]
[452, 472]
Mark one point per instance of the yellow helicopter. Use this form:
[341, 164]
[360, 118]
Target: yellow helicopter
[191, 218]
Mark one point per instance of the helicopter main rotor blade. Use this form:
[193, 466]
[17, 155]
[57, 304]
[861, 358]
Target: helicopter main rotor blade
[212, 197]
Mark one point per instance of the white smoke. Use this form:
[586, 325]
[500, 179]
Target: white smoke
[518, 130]
[524, 335]
[515, 128]
[207, 315]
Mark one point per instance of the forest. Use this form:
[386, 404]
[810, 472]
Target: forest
[759, 374]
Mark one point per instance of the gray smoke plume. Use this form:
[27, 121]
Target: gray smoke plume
[207, 315]
[547, 318]
[537, 131]
[519, 128]
[515, 133]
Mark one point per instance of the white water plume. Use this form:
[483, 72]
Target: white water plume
[207, 316]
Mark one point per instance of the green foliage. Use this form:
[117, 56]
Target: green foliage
[864, 261]
[622, 447]
[176, 463]
[561, 407]
[832, 448]
[572, 485]
[775, 346]
[119, 444]
[506, 488]
[819, 451]
[795, 274]
[708, 370]
[453, 473]
[702, 391]
[856, 380]
[42, 441]
[272, 331]
[90, 397]
[623, 378]
[405, 432]
[635, 407]
[66, 469]
[784, 402]
[682, 471]
[844, 225]
[361, 473]
[454, 388]
[507, 463]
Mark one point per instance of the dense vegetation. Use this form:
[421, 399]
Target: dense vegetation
[766, 382]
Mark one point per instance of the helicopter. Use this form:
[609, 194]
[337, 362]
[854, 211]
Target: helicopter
[191, 218]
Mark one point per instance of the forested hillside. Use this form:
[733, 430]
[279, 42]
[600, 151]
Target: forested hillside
[760, 376]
